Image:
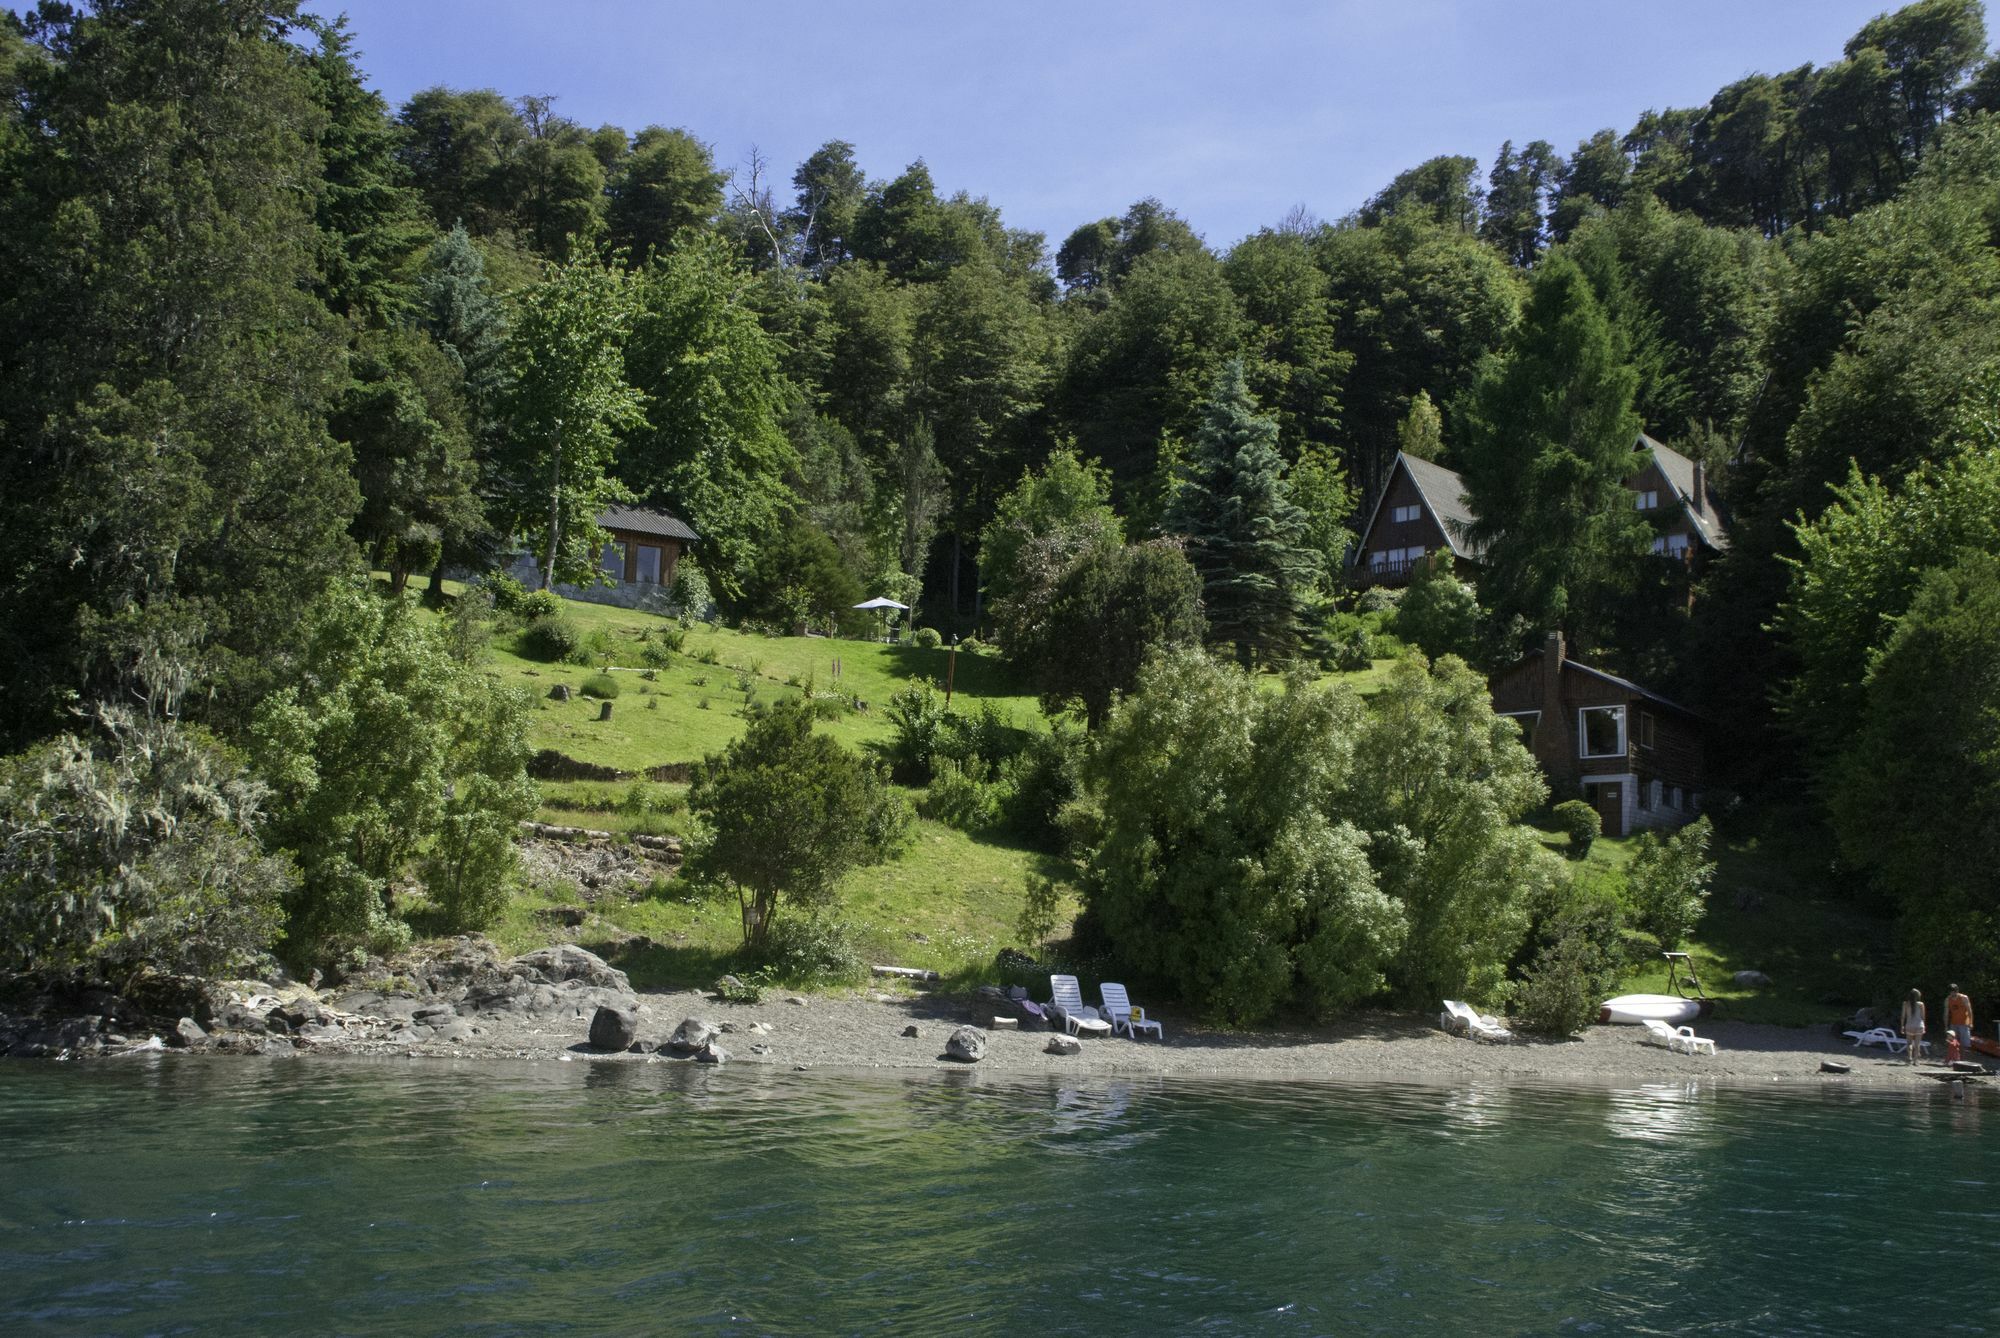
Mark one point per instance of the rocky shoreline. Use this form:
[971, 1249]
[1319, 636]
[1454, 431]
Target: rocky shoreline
[564, 1003]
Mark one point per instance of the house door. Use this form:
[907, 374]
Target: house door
[1611, 807]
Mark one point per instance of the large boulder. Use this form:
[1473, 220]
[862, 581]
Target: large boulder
[692, 1034]
[614, 1028]
[1751, 980]
[967, 1044]
[1064, 1045]
[711, 1054]
[567, 962]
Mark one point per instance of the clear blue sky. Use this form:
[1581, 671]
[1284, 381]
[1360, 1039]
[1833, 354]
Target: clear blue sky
[1062, 113]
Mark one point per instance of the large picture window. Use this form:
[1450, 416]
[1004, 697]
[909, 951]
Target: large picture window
[1600, 731]
[612, 559]
[1527, 720]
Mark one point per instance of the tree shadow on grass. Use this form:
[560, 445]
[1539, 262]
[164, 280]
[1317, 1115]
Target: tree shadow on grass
[667, 966]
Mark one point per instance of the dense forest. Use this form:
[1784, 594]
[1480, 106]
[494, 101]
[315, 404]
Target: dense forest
[261, 331]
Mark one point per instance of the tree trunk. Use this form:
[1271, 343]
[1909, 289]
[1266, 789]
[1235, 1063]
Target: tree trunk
[555, 513]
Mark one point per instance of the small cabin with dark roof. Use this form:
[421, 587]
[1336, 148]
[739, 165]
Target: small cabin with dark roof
[1422, 512]
[1672, 492]
[644, 545]
[1635, 756]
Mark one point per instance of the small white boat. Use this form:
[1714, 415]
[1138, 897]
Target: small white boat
[1636, 1009]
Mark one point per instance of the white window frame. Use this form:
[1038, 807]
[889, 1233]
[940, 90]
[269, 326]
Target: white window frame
[1533, 721]
[1404, 514]
[1583, 732]
[1649, 499]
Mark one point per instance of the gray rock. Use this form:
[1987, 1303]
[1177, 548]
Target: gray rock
[566, 961]
[559, 693]
[796, 1000]
[187, 1033]
[1063, 1045]
[692, 1034]
[760, 1049]
[911, 1030]
[1755, 980]
[967, 1044]
[711, 1054]
[613, 1028]
[727, 1029]
[761, 1029]
[434, 1015]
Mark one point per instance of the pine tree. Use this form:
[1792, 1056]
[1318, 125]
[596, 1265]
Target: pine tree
[1245, 535]
[1547, 443]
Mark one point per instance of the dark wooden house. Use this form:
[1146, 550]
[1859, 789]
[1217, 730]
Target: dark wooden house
[1631, 753]
[1422, 512]
[644, 545]
[1672, 492]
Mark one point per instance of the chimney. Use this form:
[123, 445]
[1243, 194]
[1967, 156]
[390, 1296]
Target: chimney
[1552, 663]
[1700, 498]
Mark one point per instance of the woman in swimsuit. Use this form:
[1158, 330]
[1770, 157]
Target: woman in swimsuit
[1913, 1024]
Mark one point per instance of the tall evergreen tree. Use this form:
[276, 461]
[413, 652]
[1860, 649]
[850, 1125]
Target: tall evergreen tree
[1546, 442]
[1245, 536]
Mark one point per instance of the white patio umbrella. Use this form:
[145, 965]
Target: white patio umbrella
[882, 604]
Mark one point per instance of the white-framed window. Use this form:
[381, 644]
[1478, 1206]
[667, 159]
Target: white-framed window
[1394, 557]
[612, 559]
[1645, 730]
[1674, 796]
[1406, 513]
[1378, 559]
[1527, 720]
[1648, 499]
[649, 564]
[1659, 793]
[1600, 731]
[1670, 545]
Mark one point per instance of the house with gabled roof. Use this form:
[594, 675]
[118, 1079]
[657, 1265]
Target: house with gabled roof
[1422, 512]
[1672, 492]
[637, 561]
[1632, 754]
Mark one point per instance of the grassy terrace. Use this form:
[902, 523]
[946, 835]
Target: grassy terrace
[950, 901]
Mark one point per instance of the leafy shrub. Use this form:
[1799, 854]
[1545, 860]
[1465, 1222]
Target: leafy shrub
[689, 596]
[1578, 821]
[662, 645]
[541, 604]
[1349, 644]
[1041, 913]
[601, 686]
[812, 950]
[1440, 614]
[1044, 778]
[960, 795]
[135, 848]
[1668, 882]
[926, 638]
[551, 639]
[741, 989]
[509, 595]
[1378, 599]
[918, 714]
[1571, 977]
[983, 734]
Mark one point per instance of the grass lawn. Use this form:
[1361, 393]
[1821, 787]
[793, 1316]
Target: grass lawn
[949, 903]
[1766, 912]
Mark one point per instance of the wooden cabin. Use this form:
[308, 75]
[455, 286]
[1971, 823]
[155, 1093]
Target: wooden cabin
[644, 545]
[1422, 512]
[1632, 754]
[1671, 491]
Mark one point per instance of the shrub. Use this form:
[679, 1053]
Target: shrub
[1044, 778]
[960, 796]
[509, 595]
[1348, 644]
[135, 848]
[917, 712]
[1440, 614]
[541, 604]
[812, 950]
[1578, 821]
[983, 734]
[1378, 599]
[602, 686]
[1570, 978]
[551, 639]
[1041, 913]
[926, 638]
[1668, 882]
[737, 989]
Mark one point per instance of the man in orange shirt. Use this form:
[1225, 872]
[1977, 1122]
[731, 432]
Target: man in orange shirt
[1958, 1016]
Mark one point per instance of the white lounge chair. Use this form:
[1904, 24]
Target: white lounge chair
[1078, 1018]
[1688, 1043]
[1659, 1033]
[1118, 1008]
[1463, 1019]
[1883, 1036]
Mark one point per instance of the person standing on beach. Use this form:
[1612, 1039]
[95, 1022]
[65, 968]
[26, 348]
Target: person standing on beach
[1958, 1017]
[1913, 1024]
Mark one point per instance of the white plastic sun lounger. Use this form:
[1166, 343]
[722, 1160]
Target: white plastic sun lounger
[1884, 1036]
[1118, 1007]
[1462, 1018]
[1078, 1018]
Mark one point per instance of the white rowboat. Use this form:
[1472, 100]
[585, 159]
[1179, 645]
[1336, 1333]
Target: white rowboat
[1635, 1009]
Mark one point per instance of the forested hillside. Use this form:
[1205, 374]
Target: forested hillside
[261, 331]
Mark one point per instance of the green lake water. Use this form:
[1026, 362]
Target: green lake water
[188, 1196]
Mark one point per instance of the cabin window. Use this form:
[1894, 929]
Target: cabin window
[1649, 499]
[1378, 560]
[1645, 729]
[1643, 794]
[1674, 796]
[1527, 720]
[1600, 731]
[1404, 514]
[649, 564]
[612, 559]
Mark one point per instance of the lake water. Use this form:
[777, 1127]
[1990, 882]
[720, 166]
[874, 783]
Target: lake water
[201, 1197]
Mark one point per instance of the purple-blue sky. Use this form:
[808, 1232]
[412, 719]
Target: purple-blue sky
[1062, 113]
